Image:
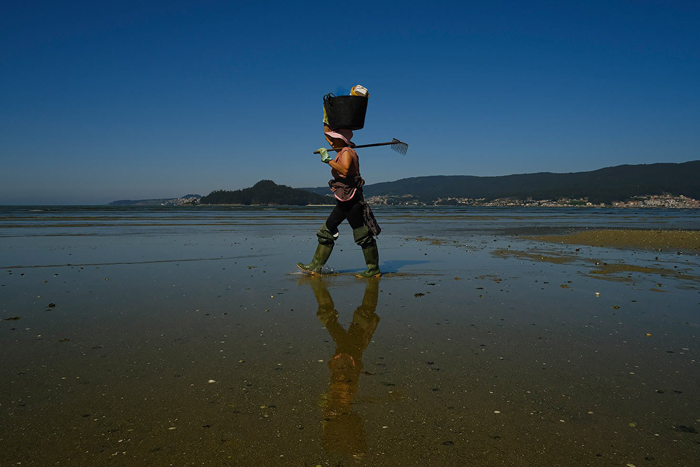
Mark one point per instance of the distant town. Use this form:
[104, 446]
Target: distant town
[655, 201]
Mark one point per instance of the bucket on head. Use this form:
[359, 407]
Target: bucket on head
[345, 111]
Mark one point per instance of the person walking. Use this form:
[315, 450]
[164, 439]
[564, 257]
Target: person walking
[350, 204]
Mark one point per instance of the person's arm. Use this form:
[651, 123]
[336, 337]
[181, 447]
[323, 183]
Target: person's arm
[343, 165]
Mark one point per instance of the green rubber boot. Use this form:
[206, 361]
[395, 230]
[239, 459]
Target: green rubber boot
[372, 260]
[323, 252]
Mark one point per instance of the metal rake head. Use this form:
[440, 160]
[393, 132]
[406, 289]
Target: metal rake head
[399, 146]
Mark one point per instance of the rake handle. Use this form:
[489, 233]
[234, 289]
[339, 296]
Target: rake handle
[363, 146]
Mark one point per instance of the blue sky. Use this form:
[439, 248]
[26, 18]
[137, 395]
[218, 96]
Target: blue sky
[130, 100]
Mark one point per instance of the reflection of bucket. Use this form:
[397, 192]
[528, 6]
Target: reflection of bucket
[345, 111]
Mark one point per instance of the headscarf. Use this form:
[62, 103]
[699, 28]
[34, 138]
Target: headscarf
[341, 133]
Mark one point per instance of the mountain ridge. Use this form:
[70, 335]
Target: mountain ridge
[606, 185]
[609, 185]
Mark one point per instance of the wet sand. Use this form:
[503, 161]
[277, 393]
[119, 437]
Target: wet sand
[658, 240]
[205, 346]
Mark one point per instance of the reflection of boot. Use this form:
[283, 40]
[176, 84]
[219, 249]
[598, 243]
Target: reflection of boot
[323, 252]
[365, 320]
[326, 308]
[365, 313]
[369, 300]
[323, 296]
[372, 260]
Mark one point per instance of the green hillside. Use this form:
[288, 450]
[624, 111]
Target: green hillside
[266, 192]
[599, 186]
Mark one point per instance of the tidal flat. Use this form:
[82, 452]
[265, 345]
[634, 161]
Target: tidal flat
[496, 337]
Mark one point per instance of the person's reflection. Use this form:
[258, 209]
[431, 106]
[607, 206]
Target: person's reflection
[343, 430]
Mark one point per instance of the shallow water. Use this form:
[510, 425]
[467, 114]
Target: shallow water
[149, 336]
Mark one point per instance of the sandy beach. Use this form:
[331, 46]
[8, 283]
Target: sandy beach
[494, 338]
[646, 239]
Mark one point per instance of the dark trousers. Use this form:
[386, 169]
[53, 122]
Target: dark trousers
[350, 210]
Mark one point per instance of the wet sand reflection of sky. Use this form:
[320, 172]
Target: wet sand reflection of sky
[198, 344]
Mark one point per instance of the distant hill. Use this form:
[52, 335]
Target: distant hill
[267, 192]
[606, 185]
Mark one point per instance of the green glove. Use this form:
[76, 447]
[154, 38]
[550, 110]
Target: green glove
[325, 157]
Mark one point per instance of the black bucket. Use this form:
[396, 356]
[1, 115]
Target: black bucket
[345, 111]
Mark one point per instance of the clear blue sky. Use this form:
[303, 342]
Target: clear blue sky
[129, 100]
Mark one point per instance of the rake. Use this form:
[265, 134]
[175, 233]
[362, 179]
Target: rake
[396, 145]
